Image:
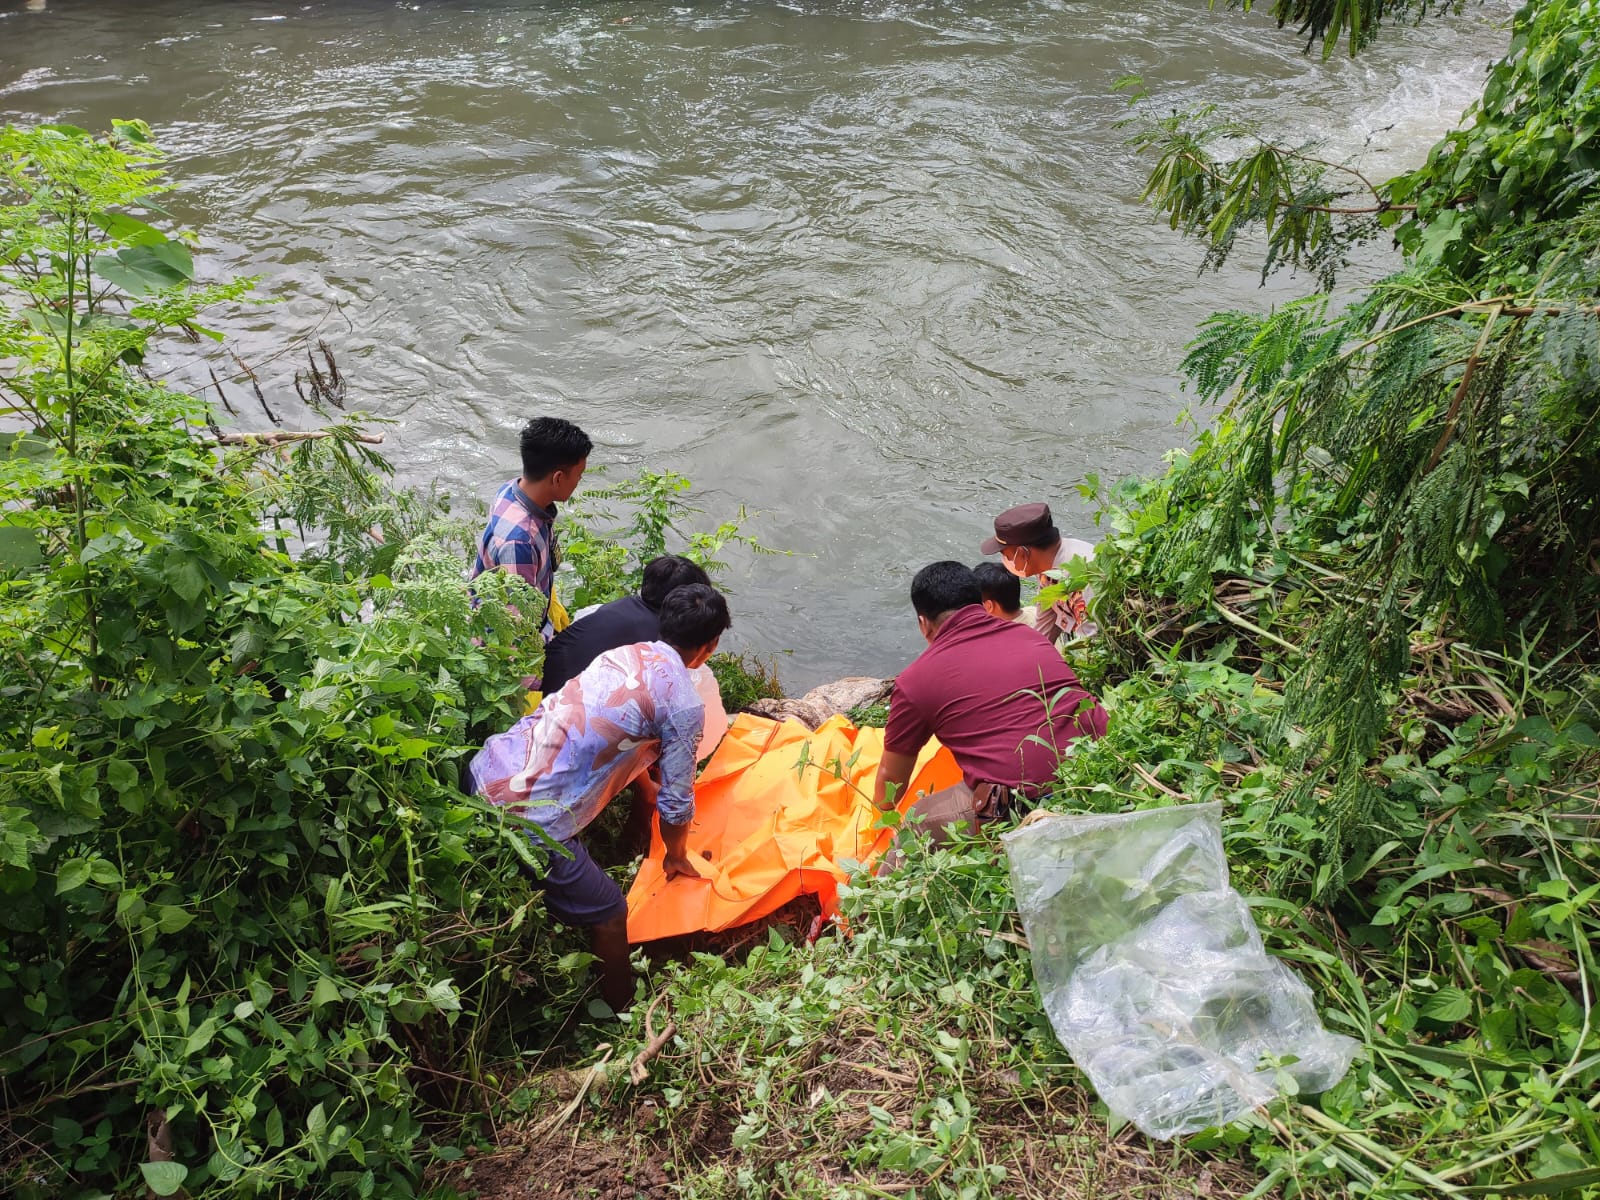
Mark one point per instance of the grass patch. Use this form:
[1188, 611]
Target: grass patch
[913, 1055]
[745, 678]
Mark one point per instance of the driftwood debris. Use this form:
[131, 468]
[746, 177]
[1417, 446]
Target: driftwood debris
[284, 437]
[820, 703]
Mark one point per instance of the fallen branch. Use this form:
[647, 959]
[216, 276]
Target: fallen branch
[1233, 618]
[638, 1072]
[285, 437]
[1454, 413]
[1150, 778]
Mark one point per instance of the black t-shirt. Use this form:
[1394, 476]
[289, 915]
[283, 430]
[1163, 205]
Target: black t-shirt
[620, 623]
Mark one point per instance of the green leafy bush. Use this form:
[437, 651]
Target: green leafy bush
[252, 930]
[743, 679]
[607, 564]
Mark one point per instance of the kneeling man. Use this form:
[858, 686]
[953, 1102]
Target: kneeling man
[995, 692]
[633, 706]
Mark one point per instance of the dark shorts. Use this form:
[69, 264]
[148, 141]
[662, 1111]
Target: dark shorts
[576, 890]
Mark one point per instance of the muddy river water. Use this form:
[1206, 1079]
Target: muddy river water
[873, 270]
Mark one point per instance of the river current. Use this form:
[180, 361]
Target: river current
[873, 270]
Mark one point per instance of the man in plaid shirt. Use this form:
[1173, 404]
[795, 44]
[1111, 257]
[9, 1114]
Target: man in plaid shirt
[520, 536]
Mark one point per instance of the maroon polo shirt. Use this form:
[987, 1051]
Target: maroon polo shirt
[998, 694]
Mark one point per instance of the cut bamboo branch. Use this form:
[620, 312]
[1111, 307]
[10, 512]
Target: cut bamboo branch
[1454, 415]
[1233, 618]
[1150, 778]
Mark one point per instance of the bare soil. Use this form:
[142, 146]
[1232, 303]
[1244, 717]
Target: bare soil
[565, 1166]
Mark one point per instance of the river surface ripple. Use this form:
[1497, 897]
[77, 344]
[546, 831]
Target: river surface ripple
[873, 270]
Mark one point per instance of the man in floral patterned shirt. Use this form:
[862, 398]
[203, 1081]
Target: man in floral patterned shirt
[633, 706]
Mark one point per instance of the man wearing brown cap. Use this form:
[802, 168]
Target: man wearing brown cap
[1028, 542]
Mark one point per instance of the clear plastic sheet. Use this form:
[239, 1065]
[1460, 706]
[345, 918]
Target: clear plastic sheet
[1153, 973]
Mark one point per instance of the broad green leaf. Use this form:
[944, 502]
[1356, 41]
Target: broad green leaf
[1441, 232]
[200, 1038]
[45, 321]
[260, 995]
[174, 256]
[128, 229]
[121, 774]
[140, 270]
[413, 747]
[105, 873]
[326, 992]
[73, 874]
[19, 550]
[66, 1133]
[28, 445]
[164, 1178]
[173, 918]
[119, 274]
[1448, 1004]
[442, 996]
[186, 577]
[132, 131]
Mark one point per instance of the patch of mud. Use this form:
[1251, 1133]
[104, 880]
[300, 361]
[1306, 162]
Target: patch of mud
[562, 1166]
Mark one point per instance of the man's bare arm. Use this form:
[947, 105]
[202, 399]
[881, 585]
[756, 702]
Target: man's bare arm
[894, 772]
[675, 862]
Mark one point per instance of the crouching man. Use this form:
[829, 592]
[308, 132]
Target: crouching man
[996, 693]
[632, 707]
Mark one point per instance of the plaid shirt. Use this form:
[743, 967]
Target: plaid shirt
[520, 535]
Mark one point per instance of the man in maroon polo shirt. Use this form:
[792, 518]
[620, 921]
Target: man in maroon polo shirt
[995, 692]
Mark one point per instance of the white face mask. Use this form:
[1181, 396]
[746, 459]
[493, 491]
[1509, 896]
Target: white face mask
[1012, 563]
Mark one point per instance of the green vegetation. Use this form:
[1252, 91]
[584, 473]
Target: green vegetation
[744, 678]
[608, 563]
[1359, 613]
[252, 931]
[256, 940]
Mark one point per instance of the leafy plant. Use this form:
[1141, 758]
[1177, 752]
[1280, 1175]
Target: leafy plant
[252, 931]
[743, 679]
[609, 564]
[1429, 455]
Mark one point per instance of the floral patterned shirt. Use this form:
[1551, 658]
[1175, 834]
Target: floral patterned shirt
[632, 706]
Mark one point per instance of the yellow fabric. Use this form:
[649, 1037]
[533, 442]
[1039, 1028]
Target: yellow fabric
[557, 614]
[775, 830]
[559, 620]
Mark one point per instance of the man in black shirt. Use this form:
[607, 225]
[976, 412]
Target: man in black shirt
[620, 623]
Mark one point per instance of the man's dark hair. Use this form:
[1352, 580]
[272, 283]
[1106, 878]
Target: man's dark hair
[664, 574]
[1000, 585]
[693, 615]
[551, 444]
[942, 586]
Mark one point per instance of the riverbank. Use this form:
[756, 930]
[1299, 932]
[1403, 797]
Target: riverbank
[256, 940]
[914, 1054]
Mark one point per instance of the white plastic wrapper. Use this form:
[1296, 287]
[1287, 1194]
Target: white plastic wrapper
[1153, 973]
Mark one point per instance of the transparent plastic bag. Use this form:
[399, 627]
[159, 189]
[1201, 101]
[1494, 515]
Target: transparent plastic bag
[1153, 973]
